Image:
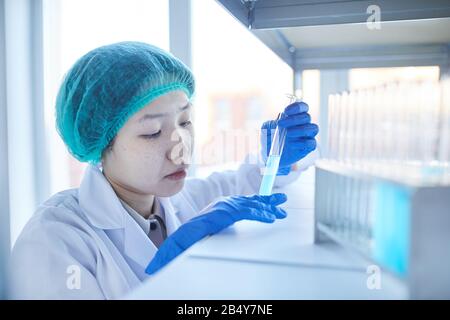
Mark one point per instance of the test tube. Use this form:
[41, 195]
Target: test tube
[337, 126]
[444, 149]
[331, 127]
[273, 160]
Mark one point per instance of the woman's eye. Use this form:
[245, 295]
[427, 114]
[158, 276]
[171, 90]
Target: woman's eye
[151, 136]
[185, 123]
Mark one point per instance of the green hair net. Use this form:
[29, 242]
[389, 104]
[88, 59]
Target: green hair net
[107, 86]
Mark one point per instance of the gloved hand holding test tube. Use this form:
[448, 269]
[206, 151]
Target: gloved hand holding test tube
[296, 133]
[273, 160]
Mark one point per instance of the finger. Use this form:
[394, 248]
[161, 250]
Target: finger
[274, 199]
[279, 213]
[309, 130]
[250, 207]
[267, 208]
[303, 144]
[295, 120]
[258, 215]
[296, 107]
[270, 208]
[268, 125]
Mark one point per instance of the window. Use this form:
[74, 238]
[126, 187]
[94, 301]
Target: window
[370, 77]
[240, 84]
[74, 27]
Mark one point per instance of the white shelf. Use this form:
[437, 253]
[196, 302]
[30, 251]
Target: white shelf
[309, 34]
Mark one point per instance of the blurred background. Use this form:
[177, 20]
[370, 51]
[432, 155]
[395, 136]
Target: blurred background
[241, 82]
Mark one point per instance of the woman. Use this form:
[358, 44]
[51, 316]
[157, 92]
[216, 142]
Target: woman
[119, 108]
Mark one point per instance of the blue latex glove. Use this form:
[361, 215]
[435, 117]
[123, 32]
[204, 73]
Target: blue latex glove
[300, 135]
[216, 218]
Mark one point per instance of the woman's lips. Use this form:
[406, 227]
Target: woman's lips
[178, 175]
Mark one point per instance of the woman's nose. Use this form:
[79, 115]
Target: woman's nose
[180, 147]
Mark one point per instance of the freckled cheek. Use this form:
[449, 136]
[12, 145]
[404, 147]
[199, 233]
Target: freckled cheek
[150, 160]
[151, 156]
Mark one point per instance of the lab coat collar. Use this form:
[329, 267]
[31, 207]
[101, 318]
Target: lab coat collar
[99, 201]
[105, 211]
[171, 216]
[137, 244]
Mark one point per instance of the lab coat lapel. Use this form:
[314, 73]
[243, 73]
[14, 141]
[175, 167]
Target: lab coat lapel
[104, 211]
[172, 220]
[99, 202]
[137, 244]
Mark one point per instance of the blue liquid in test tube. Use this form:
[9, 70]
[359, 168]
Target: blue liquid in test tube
[270, 173]
[273, 161]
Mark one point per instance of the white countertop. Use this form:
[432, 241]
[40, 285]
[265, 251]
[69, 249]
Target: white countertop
[253, 260]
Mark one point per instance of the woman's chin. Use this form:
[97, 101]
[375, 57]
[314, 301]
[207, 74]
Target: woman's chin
[172, 189]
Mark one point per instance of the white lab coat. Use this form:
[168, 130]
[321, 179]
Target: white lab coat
[82, 243]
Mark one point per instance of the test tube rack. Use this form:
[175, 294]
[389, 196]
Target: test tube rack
[402, 226]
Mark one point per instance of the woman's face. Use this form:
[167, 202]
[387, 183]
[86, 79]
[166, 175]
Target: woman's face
[151, 152]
